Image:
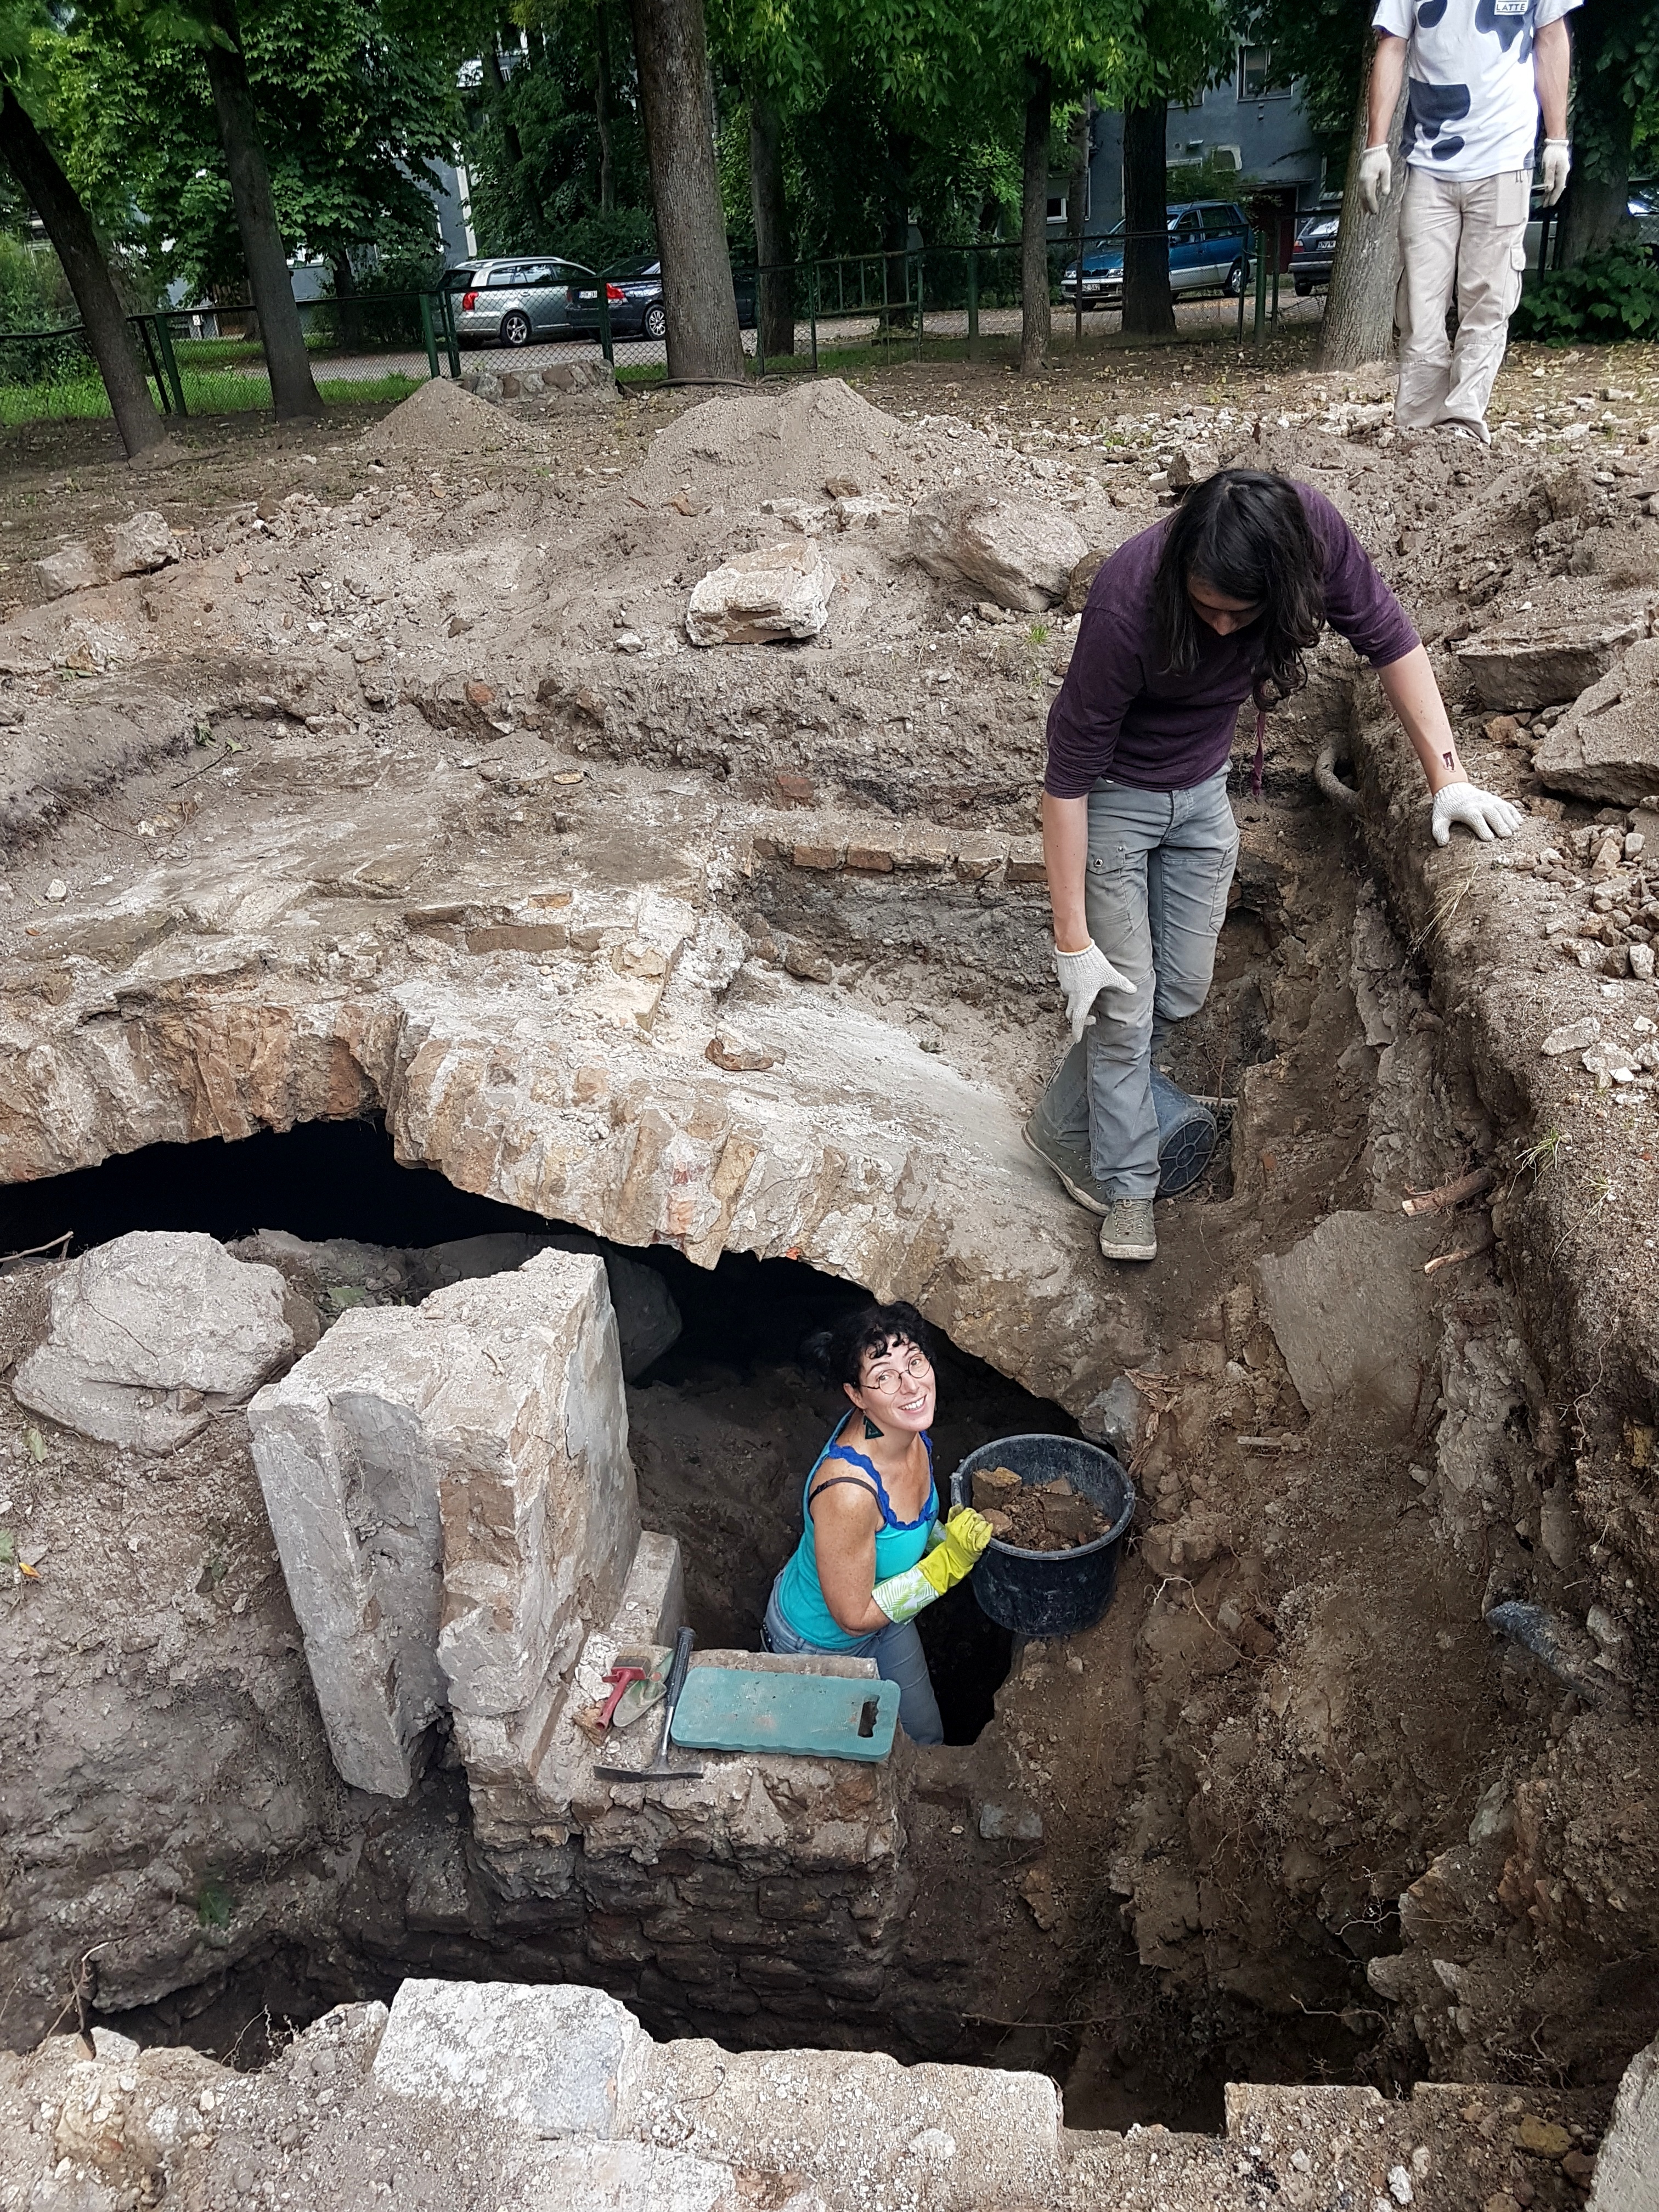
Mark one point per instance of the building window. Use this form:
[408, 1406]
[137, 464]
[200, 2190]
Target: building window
[1256, 79]
[1057, 207]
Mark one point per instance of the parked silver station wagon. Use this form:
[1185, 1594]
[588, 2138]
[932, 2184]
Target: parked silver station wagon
[515, 301]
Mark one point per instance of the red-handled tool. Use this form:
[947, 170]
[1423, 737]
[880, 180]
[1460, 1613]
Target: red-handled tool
[621, 1676]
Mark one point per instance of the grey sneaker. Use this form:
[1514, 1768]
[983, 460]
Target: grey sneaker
[1127, 1233]
[1070, 1162]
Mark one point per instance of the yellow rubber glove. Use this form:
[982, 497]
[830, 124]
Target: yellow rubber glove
[956, 1548]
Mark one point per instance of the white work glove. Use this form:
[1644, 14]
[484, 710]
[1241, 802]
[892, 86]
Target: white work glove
[1375, 176]
[1477, 809]
[1083, 976]
[1553, 170]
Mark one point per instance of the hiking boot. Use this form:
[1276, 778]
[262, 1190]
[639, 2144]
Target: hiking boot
[1070, 1162]
[1127, 1233]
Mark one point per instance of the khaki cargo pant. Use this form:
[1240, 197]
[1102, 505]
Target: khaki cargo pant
[1473, 236]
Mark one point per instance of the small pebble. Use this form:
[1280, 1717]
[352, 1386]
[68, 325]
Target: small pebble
[57, 888]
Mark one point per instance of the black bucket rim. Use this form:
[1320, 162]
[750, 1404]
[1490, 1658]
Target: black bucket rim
[1113, 1535]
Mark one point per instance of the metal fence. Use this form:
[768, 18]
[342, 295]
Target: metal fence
[830, 311]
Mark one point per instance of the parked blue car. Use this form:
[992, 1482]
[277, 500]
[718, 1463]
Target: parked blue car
[1209, 251]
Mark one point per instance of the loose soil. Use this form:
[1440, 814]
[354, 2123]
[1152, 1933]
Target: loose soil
[1047, 1517]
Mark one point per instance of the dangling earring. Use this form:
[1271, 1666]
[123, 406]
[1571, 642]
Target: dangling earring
[871, 1431]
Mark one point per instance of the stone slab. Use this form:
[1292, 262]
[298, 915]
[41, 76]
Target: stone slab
[1605, 746]
[1349, 1309]
[1018, 552]
[779, 592]
[1543, 669]
[554, 2059]
[1627, 2176]
[151, 1335]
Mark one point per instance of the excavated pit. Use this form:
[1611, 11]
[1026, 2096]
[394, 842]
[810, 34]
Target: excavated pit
[735, 965]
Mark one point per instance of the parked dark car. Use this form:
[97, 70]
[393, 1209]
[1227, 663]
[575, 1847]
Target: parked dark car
[513, 301]
[1209, 251]
[635, 294]
[1315, 250]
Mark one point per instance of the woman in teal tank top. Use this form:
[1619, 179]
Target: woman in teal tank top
[872, 1552]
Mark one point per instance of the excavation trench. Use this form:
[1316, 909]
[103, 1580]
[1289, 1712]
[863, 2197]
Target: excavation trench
[1158, 1857]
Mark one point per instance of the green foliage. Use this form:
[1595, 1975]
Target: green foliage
[34, 292]
[1614, 296]
[533, 148]
[352, 114]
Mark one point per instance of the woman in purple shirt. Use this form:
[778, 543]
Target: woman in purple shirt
[1214, 605]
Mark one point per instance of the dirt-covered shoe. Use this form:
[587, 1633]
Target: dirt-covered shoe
[1127, 1233]
[1070, 1162]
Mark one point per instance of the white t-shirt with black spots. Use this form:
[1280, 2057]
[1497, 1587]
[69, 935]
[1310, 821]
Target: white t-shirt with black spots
[1472, 109]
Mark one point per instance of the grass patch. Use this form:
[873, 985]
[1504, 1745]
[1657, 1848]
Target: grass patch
[221, 391]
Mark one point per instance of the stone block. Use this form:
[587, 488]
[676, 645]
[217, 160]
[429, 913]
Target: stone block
[152, 1334]
[873, 855]
[453, 1504]
[1629, 2157]
[1349, 1307]
[782, 591]
[652, 1607]
[141, 545]
[1015, 551]
[518, 937]
[1026, 862]
[647, 1317]
[1544, 668]
[551, 2059]
[1606, 747]
[823, 854]
[979, 858]
[72, 567]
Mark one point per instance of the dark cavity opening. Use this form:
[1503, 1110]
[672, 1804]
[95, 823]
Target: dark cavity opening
[724, 1425]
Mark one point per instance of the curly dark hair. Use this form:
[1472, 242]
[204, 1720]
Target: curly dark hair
[839, 1351]
[1243, 532]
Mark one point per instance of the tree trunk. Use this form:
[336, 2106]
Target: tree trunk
[1358, 324]
[671, 51]
[292, 392]
[1035, 321]
[69, 226]
[1076, 206]
[775, 306]
[1148, 308]
[603, 104]
[1595, 206]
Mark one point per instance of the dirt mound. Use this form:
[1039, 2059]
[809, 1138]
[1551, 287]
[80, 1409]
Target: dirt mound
[1049, 1517]
[441, 417]
[740, 449]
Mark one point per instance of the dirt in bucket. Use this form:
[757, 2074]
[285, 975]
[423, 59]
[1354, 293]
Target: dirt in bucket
[1049, 1517]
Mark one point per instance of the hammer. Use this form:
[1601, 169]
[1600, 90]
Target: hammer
[659, 1770]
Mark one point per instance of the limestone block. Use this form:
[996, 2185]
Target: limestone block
[151, 1335]
[782, 591]
[1606, 747]
[861, 2127]
[453, 1504]
[552, 2059]
[1349, 1307]
[350, 1481]
[141, 543]
[1543, 669]
[1015, 551]
[647, 1316]
[1629, 2157]
[652, 1603]
[72, 567]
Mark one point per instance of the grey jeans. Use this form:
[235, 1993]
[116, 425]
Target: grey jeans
[1160, 863]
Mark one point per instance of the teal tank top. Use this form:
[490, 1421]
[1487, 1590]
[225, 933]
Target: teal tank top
[899, 1545]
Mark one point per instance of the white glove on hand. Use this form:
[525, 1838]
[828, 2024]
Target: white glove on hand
[1083, 976]
[1477, 809]
[1375, 176]
[1553, 170]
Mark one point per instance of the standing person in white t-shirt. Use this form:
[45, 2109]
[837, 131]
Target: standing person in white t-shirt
[1479, 71]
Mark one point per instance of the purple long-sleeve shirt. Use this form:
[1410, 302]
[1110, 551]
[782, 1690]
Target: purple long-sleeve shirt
[1121, 713]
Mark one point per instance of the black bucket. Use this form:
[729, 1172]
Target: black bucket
[1049, 1594]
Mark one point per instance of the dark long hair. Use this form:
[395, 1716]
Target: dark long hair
[1243, 532]
[839, 1351]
